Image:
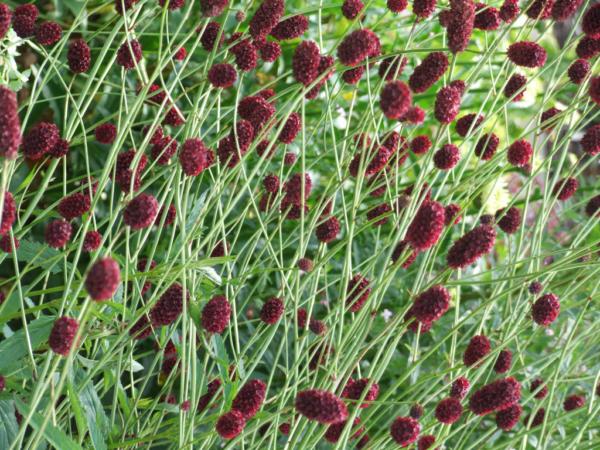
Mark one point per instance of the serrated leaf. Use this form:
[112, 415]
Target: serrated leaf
[8, 423]
[97, 421]
[53, 435]
[42, 256]
[15, 347]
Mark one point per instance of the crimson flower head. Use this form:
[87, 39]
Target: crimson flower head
[573, 402]
[496, 396]
[479, 346]
[222, 75]
[215, 314]
[405, 430]
[459, 388]
[163, 150]
[392, 67]
[58, 233]
[461, 21]
[173, 4]
[230, 424]
[106, 133]
[357, 46]
[503, 362]
[416, 411]
[321, 406]
[335, 430]
[527, 54]
[507, 418]
[48, 33]
[103, 279]
[424, 8]
[195, 157]
[447, 157]
[509, 219]
[9, 213]
[23, 20]
[209, 36]
[79, 56]
[352, 8]
[5, 18]
[141, 212]
[594, 90]
[473, 245]
[92, 241]
[74, 205]
[509, 10]
[272, 310]
[451, 214]
[328, 230]
[62, 335]
[270, 51]
[358, 292]
[40, 140]
[10, 127]
[486, 146]
[519, 153]
[290, 28]
[129, 54]
[539, 387]
[427, 226]
[305, 265]
[266, 17]
[420, 144]
[448, 410]
[565, 188]
[431, 304]
[250, 398]
[428, 72]
[305, 62]
[468, 124]
[395, 99]
[256, 110]
[486, 17]
[591, 140]
[355, 389]
[6, 245]
[447, 104]
[545, 310]
[169, 306]
[592, 208]
[591, 21]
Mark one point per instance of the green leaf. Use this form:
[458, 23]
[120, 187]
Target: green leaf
[97, 421]
[15, 347]
[42, 255]
[8, 423]
[53, 435]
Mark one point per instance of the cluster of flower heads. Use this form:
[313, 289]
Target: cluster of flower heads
[260, 125]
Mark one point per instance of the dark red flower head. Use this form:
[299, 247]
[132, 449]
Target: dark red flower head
[290, 28]
[328, 229]
[486, 17]
[290, 129]
[428, 72]
[58, 233]
[537, 420]
[411, 255]
[266, 18]
[48, 33]
[545, 310]
[451, 214]
[397, 6]
[578, 71]
[24, 18]
[420, 144]
[305, 62]
[425, 442]
[272, 310]
[447, 157]
[509, 220]
[9, 213]
[486, 146]
[352, 8]
[416, 411]
[195, 157]
[460, 388]
[590, 23]
[270, 51]
[10, 128]
[431, 304]
[246, 55]
[5, 19]
[427, 226]
[392, 67]
[124, 5]
[222, 75]
[527, 54]
[124, 172]
[507, 418]
[355, 389]
[335, 430]
[592, 208]
[169, 306]
[321, 406]
[405, 430]
[92, 241]
[565, 188]
[448, 410]
[6, 245]
[594, 90]
[230, 424]
[172, 4]
[79, 56]
[467, 124]
[357, 46]
[215, 314]
[213, 8]
[103, 279]
[60, 149]
[423, 8]
[460, 24]
[395, 99]
[62, 335]
[479, 346]
[204, 400]
[535, 287]
[447, 104]
[40, 140]
[563, 9]
[129, 54]
[141, 212]
[106, 133]
[519, 153]
[250, 398]
[256, 110]
[469, 248]
[358, 292]
[305, 265]
[496, 396]
[503, 362]
[163, 151]
[74, 205]
[515, 87]
[588, 47]
[573, 402]
[209, 36]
